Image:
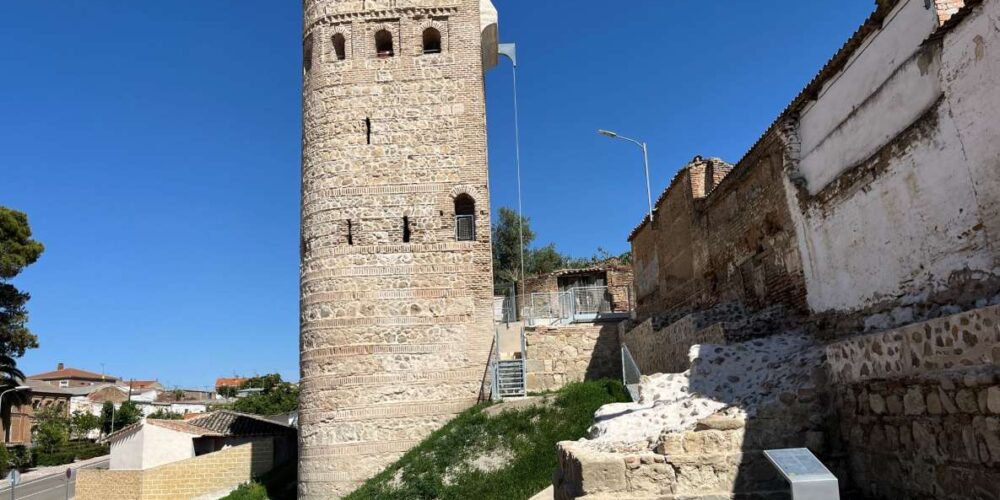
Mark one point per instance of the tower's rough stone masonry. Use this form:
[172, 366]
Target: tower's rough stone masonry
[396, 302]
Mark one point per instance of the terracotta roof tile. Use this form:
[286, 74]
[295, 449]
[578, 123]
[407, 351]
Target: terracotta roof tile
[231, 423]
[68, 373]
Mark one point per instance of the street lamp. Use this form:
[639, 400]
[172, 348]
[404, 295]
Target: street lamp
[17, 388]
[645, 160]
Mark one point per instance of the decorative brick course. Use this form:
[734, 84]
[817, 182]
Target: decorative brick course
[396, 315]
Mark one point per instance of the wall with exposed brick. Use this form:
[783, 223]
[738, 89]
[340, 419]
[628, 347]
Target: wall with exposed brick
[892, 168]
[735, 243]
[209, 474]
[560, 355]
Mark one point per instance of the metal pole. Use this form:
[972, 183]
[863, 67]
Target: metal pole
[517, 160]
[510, 51]
[649, 192]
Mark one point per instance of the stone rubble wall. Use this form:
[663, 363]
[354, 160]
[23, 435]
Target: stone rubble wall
[931, 436]
[212, 474]
[565, 354]
[970, 338]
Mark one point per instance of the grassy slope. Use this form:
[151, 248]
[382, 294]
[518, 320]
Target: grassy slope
[439, 468]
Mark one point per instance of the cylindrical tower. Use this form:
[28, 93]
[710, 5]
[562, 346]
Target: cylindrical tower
[396, 279]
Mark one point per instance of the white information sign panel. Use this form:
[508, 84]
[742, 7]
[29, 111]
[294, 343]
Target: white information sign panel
[809, 478]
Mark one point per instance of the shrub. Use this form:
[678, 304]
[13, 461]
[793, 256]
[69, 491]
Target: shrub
[248, 491]
[83, 450]
[4, 461]
[20, 457]
[45, 459]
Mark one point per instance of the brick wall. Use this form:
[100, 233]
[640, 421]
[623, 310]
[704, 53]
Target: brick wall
[561, 355]
[199, 476]
[947, 8]
[735, 243]
[108, 484]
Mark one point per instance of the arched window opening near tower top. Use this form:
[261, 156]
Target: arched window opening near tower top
[383, 44]
[340, 46]
[307, 54]
[406, 229]
[432, 41]
[465, 218]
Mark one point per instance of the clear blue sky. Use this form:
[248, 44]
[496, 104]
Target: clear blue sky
[155, 148]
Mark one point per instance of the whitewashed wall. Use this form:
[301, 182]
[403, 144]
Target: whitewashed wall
[931, 209]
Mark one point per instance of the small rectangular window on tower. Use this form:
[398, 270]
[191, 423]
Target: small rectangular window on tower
[350, 233]
[368, 130]
[406, 229]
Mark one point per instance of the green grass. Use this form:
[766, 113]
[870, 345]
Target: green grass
[442, 466]
[248, 491]
[278, 484]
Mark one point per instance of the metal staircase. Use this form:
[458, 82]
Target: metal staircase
[510, 379]
[509, 368]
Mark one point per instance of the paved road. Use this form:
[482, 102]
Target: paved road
[47, 488]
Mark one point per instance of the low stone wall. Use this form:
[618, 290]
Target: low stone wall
[925, 437]
[561, 355]
[204, 475]
[666, 350]
[721, 458]
[966, 339]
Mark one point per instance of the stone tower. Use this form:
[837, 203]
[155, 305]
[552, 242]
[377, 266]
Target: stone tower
[396, 283]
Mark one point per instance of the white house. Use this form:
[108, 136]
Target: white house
[154, 442]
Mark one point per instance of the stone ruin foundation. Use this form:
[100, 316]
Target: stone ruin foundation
[910, 412]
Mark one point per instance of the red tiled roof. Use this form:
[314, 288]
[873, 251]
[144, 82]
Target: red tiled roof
[71, 373]
[182, 426]
[229, 382]
[143, 384]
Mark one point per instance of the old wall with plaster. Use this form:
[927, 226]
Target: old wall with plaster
[896, 160]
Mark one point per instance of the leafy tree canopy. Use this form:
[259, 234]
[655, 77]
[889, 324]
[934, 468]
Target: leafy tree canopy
[276, 398]
[507, 251]
[17, 251]
[51, 429]
[81, 423]
[126, 414]
[162, 414]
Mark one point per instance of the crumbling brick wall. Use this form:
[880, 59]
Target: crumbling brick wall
[735, 242]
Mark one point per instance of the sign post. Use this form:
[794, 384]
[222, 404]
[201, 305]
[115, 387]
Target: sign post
[69, 479]
[809, 478]
[14, 477]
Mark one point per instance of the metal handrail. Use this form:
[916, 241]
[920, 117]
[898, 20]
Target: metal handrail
[631, 375]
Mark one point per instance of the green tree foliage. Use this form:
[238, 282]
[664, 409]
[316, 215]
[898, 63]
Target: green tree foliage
[543, 260]
[266, 382]
[51, 430]
[81, 423]
[227, 391]
[162, 414]
[17, 251]
[126, 414]
[507, 245]
[277, 396]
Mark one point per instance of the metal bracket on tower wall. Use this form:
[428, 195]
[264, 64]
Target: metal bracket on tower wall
[509, 50]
